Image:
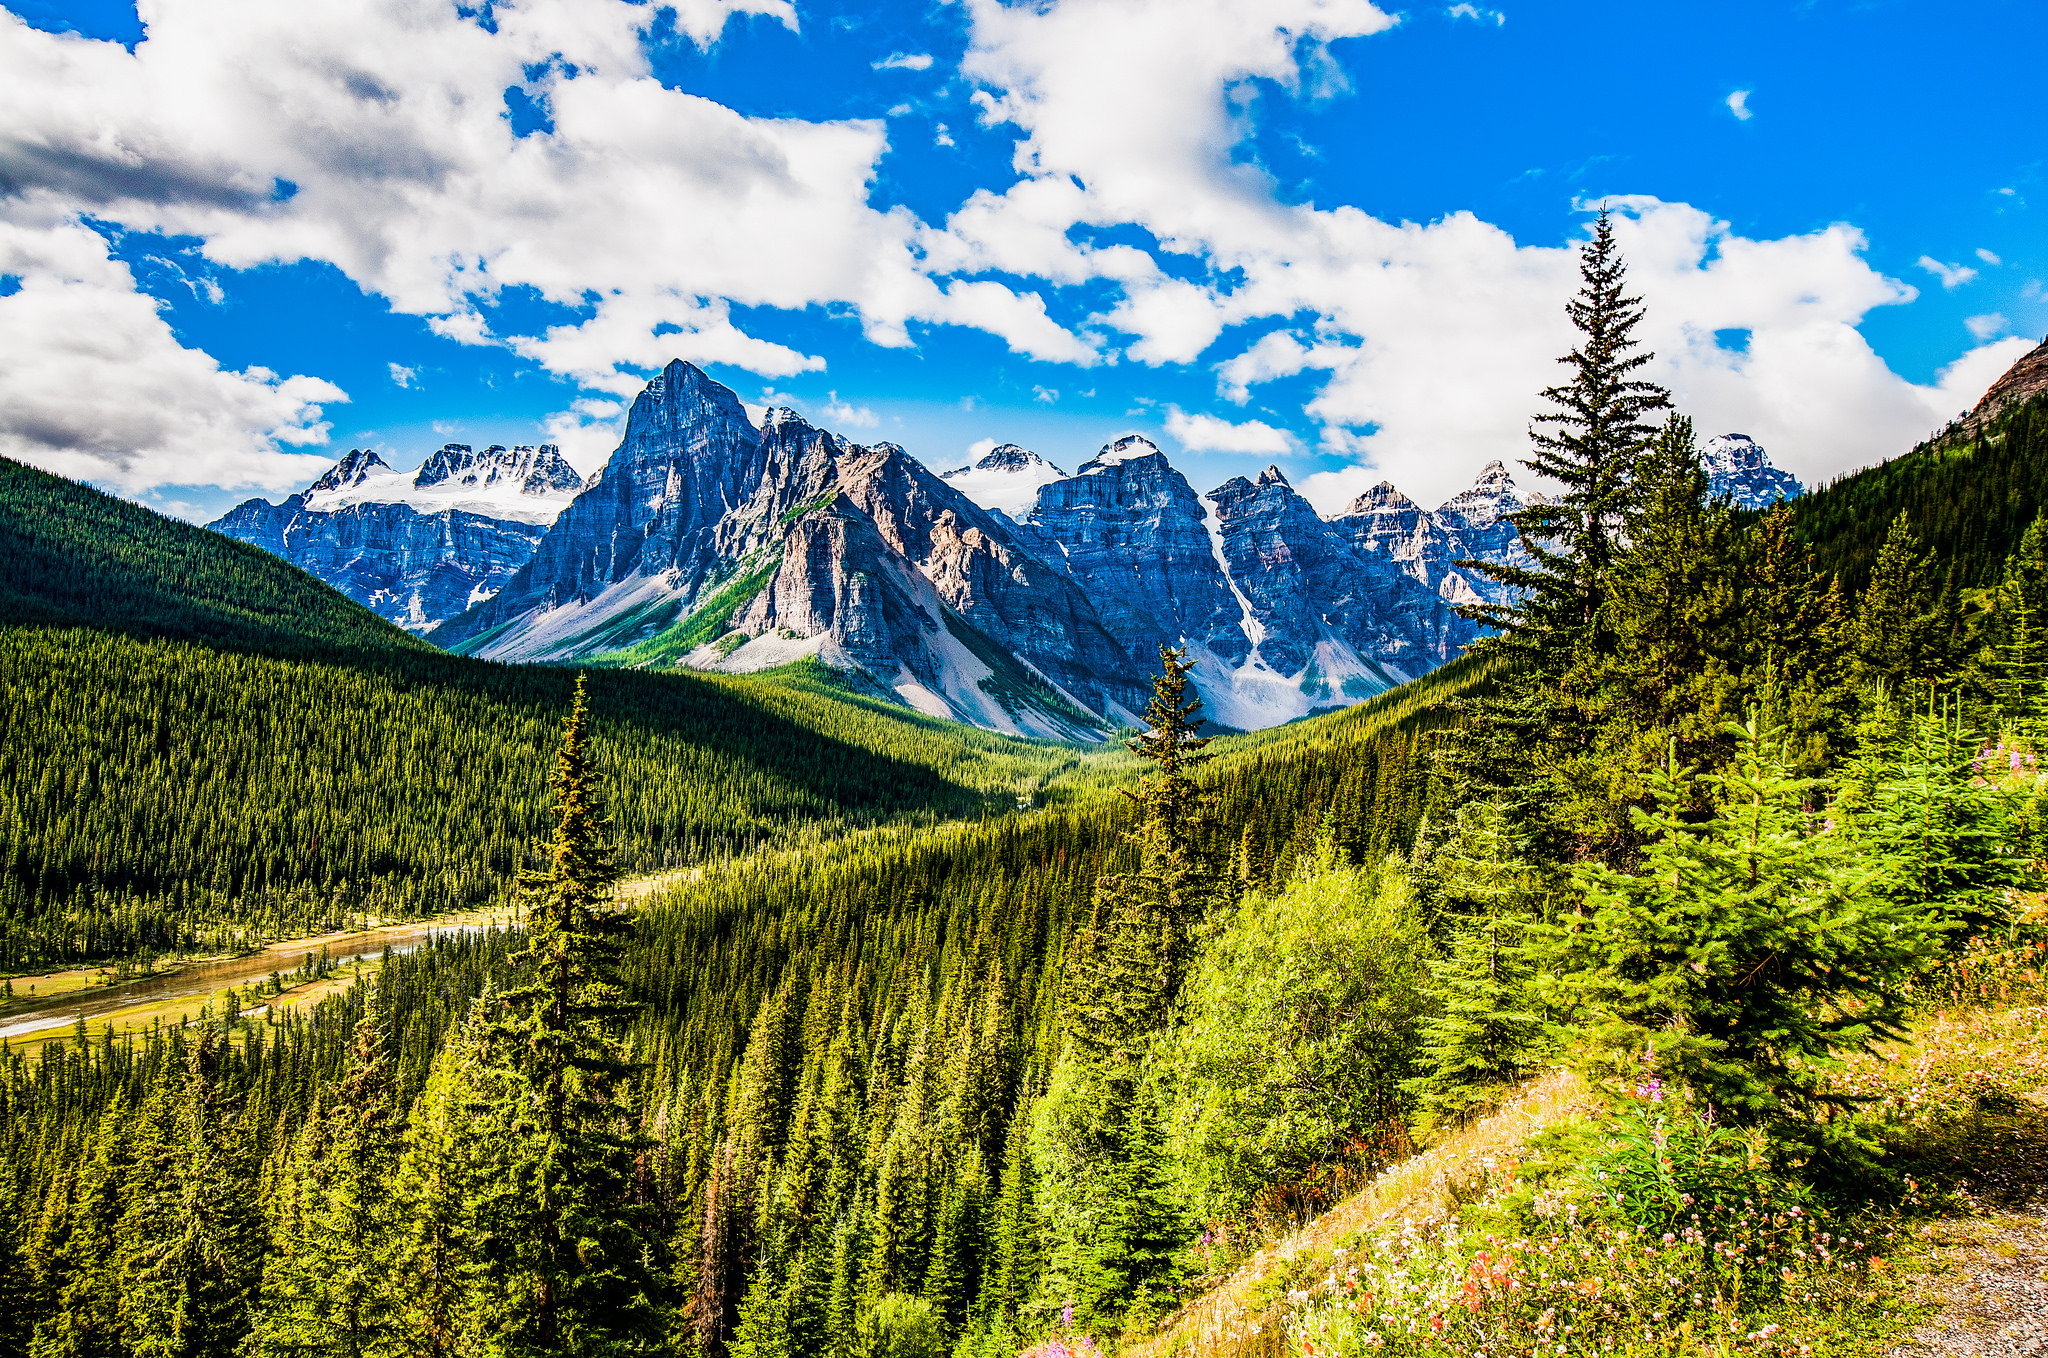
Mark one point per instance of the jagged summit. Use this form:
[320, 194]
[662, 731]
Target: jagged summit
[1740, 471]
[1126, 449]
[1005, 479]
[1272, 477]
[355, 467]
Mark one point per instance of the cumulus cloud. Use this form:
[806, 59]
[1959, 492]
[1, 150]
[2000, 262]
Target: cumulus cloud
[1484, 16]
[905, 61]
[95, 386]
[1983, 327]
[590, 429]
[369, 134]
[402, 375]
[1952, 276]
[1208, 434]
[1738, 104]
[1429, 341]
[845, 413]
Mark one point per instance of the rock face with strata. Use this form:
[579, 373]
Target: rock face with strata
[1005, 593]
[416, 548]
[1427, 545]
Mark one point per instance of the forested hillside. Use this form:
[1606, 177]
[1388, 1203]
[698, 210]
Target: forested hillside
[200, 744]
[1970, 495]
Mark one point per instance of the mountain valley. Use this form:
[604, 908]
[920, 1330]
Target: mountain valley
[1006, 593]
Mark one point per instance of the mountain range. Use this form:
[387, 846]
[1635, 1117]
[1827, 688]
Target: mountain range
[1007, 593]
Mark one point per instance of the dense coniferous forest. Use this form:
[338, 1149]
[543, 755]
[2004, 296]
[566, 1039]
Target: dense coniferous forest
[1969, 494]
[1701, 814]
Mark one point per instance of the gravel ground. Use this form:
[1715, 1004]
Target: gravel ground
[1990, 1277]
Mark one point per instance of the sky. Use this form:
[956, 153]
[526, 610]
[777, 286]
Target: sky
[238, 237]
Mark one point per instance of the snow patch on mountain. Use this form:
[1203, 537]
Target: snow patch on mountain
[1006, 480]
[526, 484]
[1129, 448]
[1740, 470]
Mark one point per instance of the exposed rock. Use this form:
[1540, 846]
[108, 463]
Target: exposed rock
[2022, 382]
[1739, 471]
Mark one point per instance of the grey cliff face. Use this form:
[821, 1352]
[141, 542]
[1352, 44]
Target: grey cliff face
[1307, 585]
[1473, 525]
[1134, 534]
[1005, 593]
[1740, 471]
[410, 568]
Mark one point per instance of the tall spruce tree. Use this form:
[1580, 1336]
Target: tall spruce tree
[576, 1281]
[1537, 741]
[1900, 636]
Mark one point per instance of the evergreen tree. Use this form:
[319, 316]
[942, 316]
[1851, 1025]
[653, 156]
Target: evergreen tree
[329, 1283]
[1900, 637]
[1747, 953]
[1484, 1031]
[577, 1281]
[190, 1240]
[1539, 737]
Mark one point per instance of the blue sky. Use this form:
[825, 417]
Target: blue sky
[1311, 232]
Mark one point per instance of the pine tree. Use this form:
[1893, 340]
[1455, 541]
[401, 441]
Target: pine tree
[1748, 952]
[189, 1242]
[1590, 443]
[1538, 738]
[329, 1284]
[579, 1282]
[1899, 632]
[1484, 1031]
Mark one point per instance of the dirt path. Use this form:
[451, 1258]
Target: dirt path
[1989, 1276]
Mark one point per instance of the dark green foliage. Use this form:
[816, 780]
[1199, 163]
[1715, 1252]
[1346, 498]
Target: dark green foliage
[71, 555]
[152, 793]
[1968, 497]
[574, 1277]
[1749, 950]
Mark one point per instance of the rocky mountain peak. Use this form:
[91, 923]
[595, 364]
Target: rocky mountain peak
[1008, 457]
[2021, 382]
[1272, 477]
[533, 470]
[1129, 448]
[1381, 499]
[1738, 469]
[355, 467]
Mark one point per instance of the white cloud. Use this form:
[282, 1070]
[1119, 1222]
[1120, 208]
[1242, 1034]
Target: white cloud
[1473, 12]
[401, 375]
[1952, 276]
[1208, 434]
[1993, 260]
[1432, 339]
[1048, 395]
[1983, 327]
[942, 137]
[704, 20]
[95, 386]
[588, 431]
[1738, 104]
[860, 417]
[905, 61]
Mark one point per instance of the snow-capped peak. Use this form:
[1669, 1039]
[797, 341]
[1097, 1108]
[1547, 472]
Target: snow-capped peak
[1490, 498]
[1272, 477]
[357, 466]
[1381, 499]
[1738, 468]
[1006, 479]
[528, 483]
[1129, 448]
